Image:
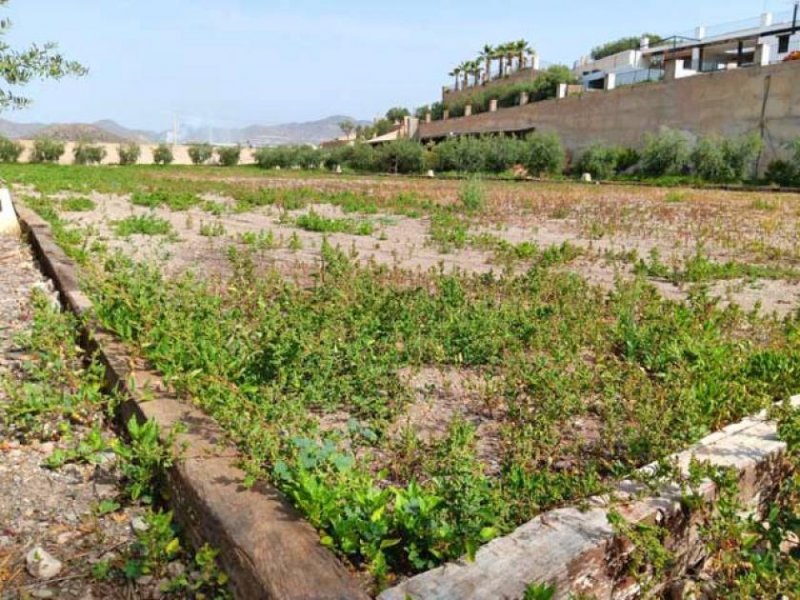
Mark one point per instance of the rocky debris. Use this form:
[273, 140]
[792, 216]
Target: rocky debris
[51, 532]
[41, 564]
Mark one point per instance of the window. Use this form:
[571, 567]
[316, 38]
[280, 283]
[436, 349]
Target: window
[783, 44]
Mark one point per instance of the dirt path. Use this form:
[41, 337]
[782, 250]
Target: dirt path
[57, 511]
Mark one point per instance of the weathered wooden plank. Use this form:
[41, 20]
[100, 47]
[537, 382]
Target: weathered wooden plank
[577, 551]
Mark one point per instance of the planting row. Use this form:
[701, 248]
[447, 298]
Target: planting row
[50, 151]
[669, 154]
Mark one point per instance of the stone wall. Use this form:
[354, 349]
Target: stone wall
[763, 100]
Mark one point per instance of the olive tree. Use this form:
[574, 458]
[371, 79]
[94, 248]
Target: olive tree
[18, 67]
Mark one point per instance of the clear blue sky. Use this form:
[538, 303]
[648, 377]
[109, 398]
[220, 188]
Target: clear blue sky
[272, 61]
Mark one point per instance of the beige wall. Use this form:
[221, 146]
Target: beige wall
[181, 154]
[725, 103]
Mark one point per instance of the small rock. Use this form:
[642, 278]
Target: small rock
[144, 580]
[176, 569]
[43, 593]
[138, 524]
[63, 538]
[47, 448]
[42, 565]
[586, 178]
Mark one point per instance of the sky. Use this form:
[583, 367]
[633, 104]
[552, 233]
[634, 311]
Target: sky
[239, 62]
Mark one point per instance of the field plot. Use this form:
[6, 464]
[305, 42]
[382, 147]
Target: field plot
[421, 366]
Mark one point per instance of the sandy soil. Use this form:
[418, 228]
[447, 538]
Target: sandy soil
[608, 224]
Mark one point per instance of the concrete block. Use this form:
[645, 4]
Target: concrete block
[8, 216]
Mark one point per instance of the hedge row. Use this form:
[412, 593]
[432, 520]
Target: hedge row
[538, 153]
[666, 154]
[46, 150]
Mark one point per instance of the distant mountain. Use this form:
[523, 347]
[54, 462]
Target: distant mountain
[133, 135]
[17, 131]
[311, 132]
[73, 132]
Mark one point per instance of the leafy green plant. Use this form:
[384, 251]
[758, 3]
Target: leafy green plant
[665, 153]
[725, 160]
[200, 153]
[601, 162]
[128, 153]
[401, 156]
[162, 155]
[78, 204]
[216, 229]
[46, 150]
[543, 154]
[539, 591]
[229, 155]
[10, 150]
[312, 221]
[144, 460]
[142, 225]
[472, 195]
[88, 154]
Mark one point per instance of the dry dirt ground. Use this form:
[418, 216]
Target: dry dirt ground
[56, 510]
[614, 226]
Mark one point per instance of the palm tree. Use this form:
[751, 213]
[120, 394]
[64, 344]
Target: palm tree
[500, 55]
[523, 49]
[455, 73]
[474, 70]
[464, 69]
[487, 55]
[509, 51]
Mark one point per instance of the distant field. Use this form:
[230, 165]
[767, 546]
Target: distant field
[423, 365]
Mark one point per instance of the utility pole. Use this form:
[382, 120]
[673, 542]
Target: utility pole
[794, 18]
[174, 130]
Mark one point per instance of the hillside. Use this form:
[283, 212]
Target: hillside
[310, 132]
[72, 132]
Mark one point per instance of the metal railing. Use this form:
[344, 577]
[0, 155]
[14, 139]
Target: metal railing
[639, 76]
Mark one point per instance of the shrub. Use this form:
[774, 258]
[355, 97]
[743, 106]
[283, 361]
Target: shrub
[464, 154]
[229, 155]
[501, 153]
[162, 155]
[782, 172]
[359, 157]
[200, 153]
[622, 44]
[46, 150]
[10, 150]
[627, 159]
[128, 154]
[88, 154]
[665, 153]
[599, 161]
[402, 156]
[472, 195]
[725, 160]
[287, 157]
[543, 154]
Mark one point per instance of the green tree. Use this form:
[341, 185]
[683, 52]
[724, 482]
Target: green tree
[20, 67]
[348, 127]
[398, 113]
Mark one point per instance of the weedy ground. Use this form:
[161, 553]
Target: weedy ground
[73, 483]
[478, 354]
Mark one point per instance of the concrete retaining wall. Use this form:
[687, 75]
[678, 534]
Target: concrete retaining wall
[726, 103]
